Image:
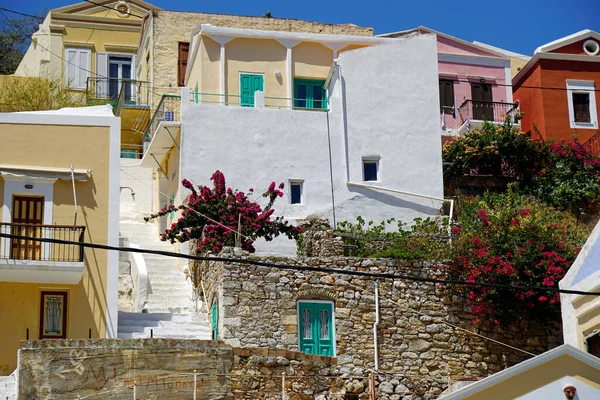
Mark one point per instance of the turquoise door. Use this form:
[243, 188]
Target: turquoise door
[214, 319]
[316, 328]
[250, 83]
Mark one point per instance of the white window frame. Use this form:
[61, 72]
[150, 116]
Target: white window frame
[297, 182]
[78, 69]
[332, 321]
[371, 159]
[587, 87]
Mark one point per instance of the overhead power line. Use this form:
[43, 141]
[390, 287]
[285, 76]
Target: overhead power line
[20, 13]
[454, 282]
[110, 8]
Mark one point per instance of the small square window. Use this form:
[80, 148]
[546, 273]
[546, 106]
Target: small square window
[296, 192]
[370, 170]
[581, 106]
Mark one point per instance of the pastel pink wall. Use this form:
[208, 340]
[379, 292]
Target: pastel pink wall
[496, 76]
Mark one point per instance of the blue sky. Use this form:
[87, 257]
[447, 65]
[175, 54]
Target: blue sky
[519, 26]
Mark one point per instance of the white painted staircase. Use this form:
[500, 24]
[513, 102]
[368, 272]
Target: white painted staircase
[170, 311]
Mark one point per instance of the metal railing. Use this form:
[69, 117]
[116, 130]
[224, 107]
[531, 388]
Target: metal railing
[487, 110]
[24, 249]
[593, 144]
[288, 103]
[101, 89]
[168, 109]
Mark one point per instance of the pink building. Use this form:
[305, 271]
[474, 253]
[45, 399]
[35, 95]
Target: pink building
[474, 83]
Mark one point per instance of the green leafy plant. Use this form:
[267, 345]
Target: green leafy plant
[514, 240]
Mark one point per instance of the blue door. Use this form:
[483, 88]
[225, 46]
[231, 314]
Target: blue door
[214, 319]
[316, 328]
[250, 83]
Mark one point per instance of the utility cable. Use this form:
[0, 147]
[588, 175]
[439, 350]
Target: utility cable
[110, 8]
[20, 13]
[454, 282]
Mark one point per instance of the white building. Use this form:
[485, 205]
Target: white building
[374, 150]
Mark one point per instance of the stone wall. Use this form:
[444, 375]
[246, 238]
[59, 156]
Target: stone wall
[418, 346]
[164, 369]
[171, 27]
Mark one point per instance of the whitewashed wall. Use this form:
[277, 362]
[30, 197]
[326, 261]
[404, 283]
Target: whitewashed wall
[385, 105]
[140, 181]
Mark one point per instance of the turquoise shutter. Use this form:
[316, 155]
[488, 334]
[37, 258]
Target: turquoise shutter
[248, 85]
[316, 328]
[214, 319]
[310, 94]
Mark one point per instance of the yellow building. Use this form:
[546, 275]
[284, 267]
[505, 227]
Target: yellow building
[562, 373]
[52, 187]
[91, 49]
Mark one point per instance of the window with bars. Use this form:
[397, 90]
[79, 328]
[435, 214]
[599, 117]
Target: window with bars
[77, 66]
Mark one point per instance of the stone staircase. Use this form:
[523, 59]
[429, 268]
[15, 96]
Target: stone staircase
[170, 311]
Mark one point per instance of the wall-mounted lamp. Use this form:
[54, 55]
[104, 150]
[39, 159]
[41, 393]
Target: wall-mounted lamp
[28, 187]
[277, 74]
[482, 80]
[570, 391]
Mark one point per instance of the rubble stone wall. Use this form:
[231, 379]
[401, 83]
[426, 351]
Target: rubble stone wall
[425, 331]
[164, 369]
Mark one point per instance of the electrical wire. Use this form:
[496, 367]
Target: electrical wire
[20, 13]
[452, 282]
[110, 8]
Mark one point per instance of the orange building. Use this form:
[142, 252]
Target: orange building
[557, 88]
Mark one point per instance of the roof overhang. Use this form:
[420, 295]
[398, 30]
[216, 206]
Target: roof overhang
[210, 30]
[29, 171]
[162, 143]
[564, 41]
[551, 56]
[565, 349]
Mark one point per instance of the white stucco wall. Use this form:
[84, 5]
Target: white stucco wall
[387, 107]
[140, 181]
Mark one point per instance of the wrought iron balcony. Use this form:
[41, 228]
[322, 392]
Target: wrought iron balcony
[492, 111]
[103, 90]
[23, 259]
[24, 249]
[168, 110]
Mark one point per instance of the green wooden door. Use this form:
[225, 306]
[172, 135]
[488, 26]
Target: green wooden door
[316, 328]
[214, 319]
[250, 83]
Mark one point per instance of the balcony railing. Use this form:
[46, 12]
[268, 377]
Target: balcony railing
[103, 90]
[593, 144]
[168, 109]
[259, 100]
[487, 110]
[26, 249]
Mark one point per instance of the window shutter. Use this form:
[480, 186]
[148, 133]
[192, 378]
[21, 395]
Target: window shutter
[71, 68]
[184, 49]
[581, 107]
[101, 74]
[84, 67]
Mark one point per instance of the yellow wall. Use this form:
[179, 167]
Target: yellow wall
[44, 145]
[263, 56]
[586, 322]
[540, 376]
[352, 47]
[516, 64]
[311, 60]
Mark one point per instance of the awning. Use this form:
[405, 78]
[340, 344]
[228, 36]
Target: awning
[44, 172]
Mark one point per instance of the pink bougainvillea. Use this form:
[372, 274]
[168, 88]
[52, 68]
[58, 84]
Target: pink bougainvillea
[215, 216]
[512, 245]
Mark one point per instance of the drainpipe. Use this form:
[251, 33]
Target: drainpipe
[375, 325]
[74, 195]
